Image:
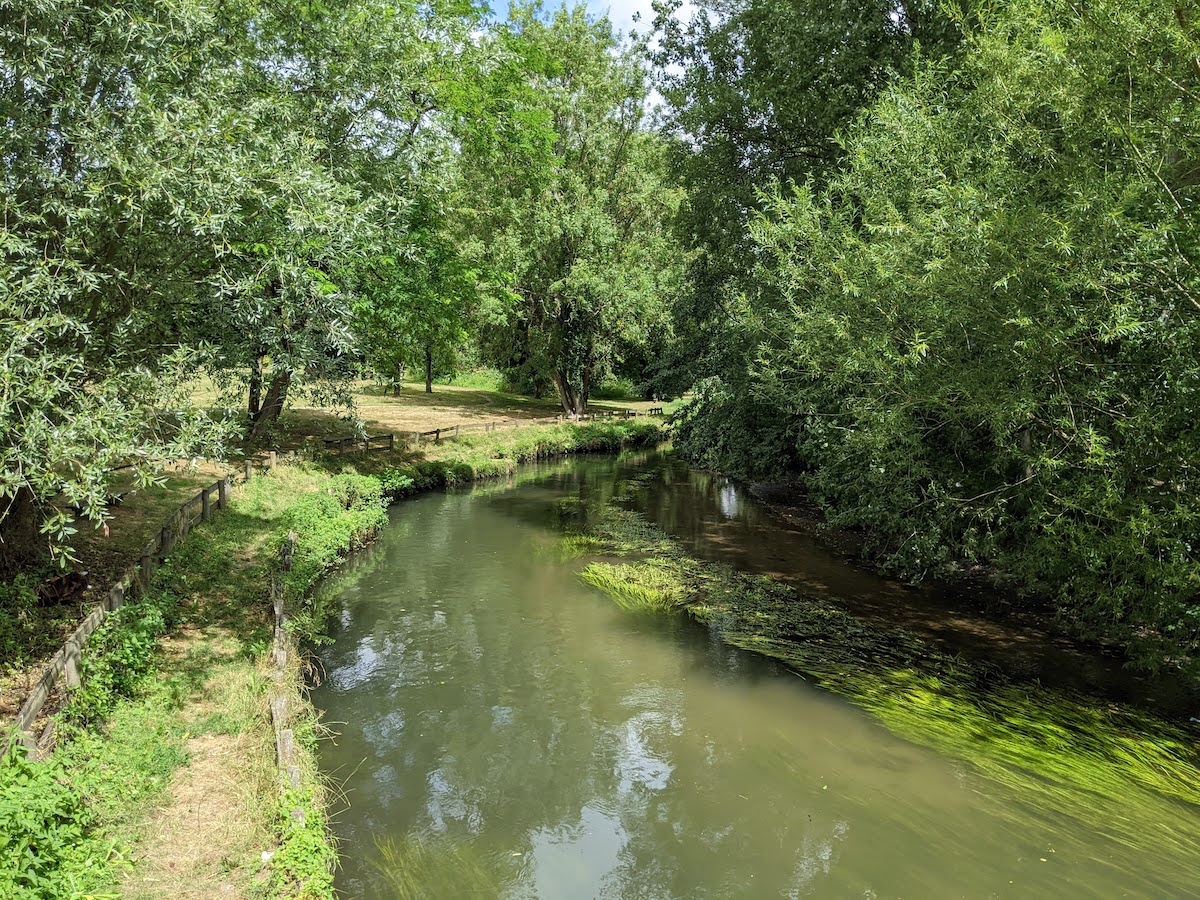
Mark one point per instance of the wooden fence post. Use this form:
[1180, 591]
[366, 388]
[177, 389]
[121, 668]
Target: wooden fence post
[249, 470]
[205, 505]
[271, 459]
[71, 664]
[456, 432]
[222, 493]
[392, 441]
[437, 435]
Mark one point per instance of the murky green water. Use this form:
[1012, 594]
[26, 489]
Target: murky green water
[507, 731]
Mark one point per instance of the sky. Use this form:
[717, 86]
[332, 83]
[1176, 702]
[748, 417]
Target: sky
[620, 12]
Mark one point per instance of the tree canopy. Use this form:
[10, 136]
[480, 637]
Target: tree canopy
[934, 260]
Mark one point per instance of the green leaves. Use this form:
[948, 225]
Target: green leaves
[989, 316]
[582, 218]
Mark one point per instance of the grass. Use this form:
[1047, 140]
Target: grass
[473, 398]
[1125, 773]
[479, 457]
[173, 714]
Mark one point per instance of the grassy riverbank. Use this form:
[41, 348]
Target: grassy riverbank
[1115, 768]
[163, 780]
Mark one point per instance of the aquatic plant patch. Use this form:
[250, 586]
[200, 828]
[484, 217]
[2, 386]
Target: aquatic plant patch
[1119, 769]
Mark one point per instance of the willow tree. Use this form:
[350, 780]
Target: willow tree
[992, 316]
[579, 221]
[101, 267]
[756, 93]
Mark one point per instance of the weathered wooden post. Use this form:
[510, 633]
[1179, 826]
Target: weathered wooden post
[271, 460]
[71, 663]
[205, 505]
[437, 435]
[456, 432]
[249, 470]
[222, 493]
[392, 441]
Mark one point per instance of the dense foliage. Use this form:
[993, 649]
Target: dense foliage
[578, 217]
[934, 258]
[985, 340]
[280, 195]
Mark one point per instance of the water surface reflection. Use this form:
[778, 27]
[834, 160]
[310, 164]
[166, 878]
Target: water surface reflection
[493, 705]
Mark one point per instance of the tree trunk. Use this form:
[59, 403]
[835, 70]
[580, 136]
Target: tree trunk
[572, 403]
[21, 545]
[428, 369]
[586, 389]
[272, 407]
[255, 387]
[397, 379]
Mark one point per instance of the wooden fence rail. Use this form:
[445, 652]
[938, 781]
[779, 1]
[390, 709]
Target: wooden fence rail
[67, 662]
[340, 445]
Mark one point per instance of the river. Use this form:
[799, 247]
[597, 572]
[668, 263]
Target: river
[506, 730]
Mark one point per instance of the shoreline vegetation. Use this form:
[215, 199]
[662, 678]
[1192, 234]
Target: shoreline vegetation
[1119, 769]
[172, 728]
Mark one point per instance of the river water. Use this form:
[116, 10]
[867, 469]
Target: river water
[506, 730]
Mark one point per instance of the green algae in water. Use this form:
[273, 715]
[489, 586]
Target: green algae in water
[410, 866]
[1128, 775]
[644, 587]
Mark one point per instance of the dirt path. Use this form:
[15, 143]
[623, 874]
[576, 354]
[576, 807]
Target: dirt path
[208, 837]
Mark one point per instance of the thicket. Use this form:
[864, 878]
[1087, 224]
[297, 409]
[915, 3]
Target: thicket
[978, 338]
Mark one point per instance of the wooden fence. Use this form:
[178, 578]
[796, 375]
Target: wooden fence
[340, 445]
[66, 663]
[283, 693]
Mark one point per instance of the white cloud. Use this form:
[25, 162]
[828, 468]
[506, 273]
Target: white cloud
[621, 13]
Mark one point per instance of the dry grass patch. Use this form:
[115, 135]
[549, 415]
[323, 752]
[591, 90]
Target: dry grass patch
[207, 838]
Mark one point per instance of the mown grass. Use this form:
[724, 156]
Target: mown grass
[1128, 775]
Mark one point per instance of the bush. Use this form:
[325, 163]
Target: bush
[44, 850]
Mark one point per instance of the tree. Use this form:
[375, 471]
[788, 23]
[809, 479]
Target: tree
[412, 311]
[580, 224]
[992, 316]
[97, 270]
[756, 93]
[187, 184]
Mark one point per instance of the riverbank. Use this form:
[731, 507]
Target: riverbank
[172, 729]
[1113, 767]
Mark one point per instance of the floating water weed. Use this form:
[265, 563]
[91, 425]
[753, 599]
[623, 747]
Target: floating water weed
[1128, 775]
[410, 865]
[643, 587]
